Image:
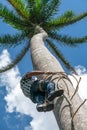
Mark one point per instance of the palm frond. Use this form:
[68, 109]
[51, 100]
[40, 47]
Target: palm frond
[44, 2]
[16, 60]
[67, 40]
[50, 8]
[9, 41]
[31, 3]
[64, 21]
[38, 5]
[11, 18]
[59, 55]
[20, 8]
[36, 11]
[68, 14]
[44, 5]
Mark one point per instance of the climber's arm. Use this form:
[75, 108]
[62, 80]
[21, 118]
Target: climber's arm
[35, 73]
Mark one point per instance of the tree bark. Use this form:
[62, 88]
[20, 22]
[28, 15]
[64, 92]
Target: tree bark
[66, 106]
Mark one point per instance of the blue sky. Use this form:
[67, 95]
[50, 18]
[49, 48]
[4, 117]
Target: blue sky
[16, 111]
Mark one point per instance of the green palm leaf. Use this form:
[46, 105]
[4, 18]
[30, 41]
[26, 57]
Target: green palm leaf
[67, 40]
[9, 41]
[45, 2]
[64, 21]
[11, 18]
[21, 9]
[18, 58]
[50, 8]
[36, 11]
[58, 53]
[68, 14]
[38, 5]
[31, 4]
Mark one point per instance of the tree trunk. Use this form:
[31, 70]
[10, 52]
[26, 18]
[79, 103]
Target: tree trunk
[68, 114]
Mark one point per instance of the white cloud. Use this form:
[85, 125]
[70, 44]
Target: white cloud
[28, 128]
[80, 70]
[82, 73]
[16, 101]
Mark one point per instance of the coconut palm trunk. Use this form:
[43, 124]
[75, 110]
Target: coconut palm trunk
[70, 111]
[68, 114]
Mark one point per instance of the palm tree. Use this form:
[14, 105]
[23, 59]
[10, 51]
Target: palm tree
[38, 23]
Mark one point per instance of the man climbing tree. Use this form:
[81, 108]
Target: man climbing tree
[38, 22]
[41, 92]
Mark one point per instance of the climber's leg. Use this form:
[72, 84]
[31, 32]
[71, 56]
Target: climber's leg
[52, 93]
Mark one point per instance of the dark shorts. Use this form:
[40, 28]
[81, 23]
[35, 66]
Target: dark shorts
[37, 95]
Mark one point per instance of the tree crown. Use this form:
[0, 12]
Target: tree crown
[27, 14]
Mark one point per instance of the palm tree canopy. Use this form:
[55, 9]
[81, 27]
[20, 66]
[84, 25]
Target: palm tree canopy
[27, 14]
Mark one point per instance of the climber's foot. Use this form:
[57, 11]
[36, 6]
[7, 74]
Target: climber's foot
[55, 94]
[45, 107]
